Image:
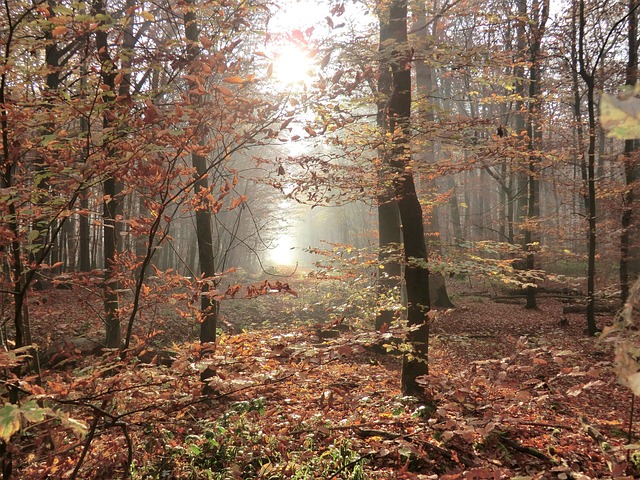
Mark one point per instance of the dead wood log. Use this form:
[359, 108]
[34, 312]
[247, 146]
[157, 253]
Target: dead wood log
[599, 308]
[508, 300]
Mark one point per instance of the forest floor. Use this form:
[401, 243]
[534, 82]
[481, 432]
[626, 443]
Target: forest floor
[518, 394]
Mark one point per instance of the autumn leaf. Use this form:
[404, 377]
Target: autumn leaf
[325, 60]
[237, 201]
[224, 90]
[286, 123]
[620, 117]
[32, 412]
[345, 350]
[336, 77]
[234, 79]
[78, 428]
[59, 31]
[9, 421]
[205, 41]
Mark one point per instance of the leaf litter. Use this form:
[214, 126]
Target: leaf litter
[517, 395]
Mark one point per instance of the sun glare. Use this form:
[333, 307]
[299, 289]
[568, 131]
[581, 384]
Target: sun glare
[292, 65]
[284, 252]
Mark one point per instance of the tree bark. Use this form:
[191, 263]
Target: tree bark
[416, 273]
[538, 27]
[588, 75]
[389, 233]
[425, 74]
[209, 307]
[111, 199]
[522, 181]
[628, 242]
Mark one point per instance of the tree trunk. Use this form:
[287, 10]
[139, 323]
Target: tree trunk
[84, 234]
[588, 75]
[628, 242]
[540, 16]
[209, 307]
[84, 228]
[426, 86]
[111, 200]
[389, 233]
[416, 274]
[522, 181]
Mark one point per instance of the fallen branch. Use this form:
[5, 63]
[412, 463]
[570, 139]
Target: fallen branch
[364, 433]
[518, 447]
[592, 431]
[515, 421]
[599, 308]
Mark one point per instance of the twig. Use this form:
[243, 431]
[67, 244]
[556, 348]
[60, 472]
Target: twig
[349, 465]
[87, 444]
[592, 431]
[538, 424]
[630, 432]
[447, 454]
[379, 433]
[361, 425]
[522, 448]
[127, 437]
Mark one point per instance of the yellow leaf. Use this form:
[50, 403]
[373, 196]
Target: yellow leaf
[9, 421]
[148, 16]
[620, 117]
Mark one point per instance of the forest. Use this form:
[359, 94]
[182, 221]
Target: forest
[287, 239]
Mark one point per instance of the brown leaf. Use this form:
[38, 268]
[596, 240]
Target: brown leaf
[234, 79]
[345, 350]
[325, 60]
[336, 77]
[59, 31]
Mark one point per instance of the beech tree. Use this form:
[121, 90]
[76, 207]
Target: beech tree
[540, 15]
[209, 305]
[398, 157]
[629, 247]
[389, 225]
[428, 94]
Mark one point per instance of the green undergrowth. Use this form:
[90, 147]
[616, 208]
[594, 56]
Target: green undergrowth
[236, 445]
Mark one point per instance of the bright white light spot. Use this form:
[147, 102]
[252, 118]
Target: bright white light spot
[284, 252]
[292, 65]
